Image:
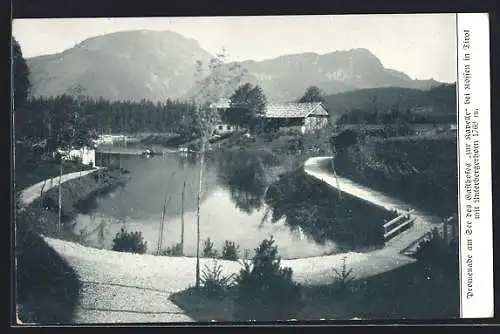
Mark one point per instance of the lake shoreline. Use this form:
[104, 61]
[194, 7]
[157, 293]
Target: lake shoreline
[133, 151]
[242, 178]
[276, 167]
[77, 195]
[72, 207]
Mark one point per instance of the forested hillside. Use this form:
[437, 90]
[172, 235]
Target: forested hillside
[37, 116]
[439, 100]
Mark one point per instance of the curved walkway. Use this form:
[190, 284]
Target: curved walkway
[31, 193]
[424, 222]
[113, 290]
[125, 287]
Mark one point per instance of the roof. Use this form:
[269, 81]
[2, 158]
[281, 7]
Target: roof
[284, 110]
[295, 110]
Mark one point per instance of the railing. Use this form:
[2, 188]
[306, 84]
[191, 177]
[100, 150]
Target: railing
[392, 232]
[388, 225]
[397, 224]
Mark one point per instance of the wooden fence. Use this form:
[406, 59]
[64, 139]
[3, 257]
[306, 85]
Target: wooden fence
[396, 226]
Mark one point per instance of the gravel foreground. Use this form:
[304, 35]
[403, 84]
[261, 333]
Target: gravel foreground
[126, 287]
[132, 288]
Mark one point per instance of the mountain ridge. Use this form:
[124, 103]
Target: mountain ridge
[156, 65]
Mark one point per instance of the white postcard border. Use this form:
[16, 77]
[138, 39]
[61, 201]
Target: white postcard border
[474, 170]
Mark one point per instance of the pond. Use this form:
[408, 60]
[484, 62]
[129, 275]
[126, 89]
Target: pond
[234, 206]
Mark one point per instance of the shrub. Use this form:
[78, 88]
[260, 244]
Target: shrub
[265, 291]
[230, 251]
[292, 131]
[437, 252]
[76, 160]
[344, 279]
[213, 281]
[196, 146]
[208, 249]
[175, 250]
[246, 254]
[130, 242]
[295, 144]
[430, 246]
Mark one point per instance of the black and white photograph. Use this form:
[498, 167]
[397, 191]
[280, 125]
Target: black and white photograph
[248, 168]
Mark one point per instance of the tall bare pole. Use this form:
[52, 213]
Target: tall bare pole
[200, 184]
[182, 217]
[162, 224]
[59, 198]
[218, 83]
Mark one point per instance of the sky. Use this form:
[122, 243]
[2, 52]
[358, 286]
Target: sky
[420, 45]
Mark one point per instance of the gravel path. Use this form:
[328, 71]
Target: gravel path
[125, 287]
[33, 192]
[423, 224]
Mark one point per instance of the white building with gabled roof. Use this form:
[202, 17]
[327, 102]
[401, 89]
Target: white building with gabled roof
[307, 116]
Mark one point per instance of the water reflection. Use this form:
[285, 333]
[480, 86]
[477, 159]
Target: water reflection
[153, 181]
[244, 176]
[233, 206]
[305, 205]
[324, 215]
[188, 159]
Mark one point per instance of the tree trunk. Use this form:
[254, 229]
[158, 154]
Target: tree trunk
[42, 206]
[200, 184]
[101, 233]
[59, 198]
[160, 236]
[182, 217]
[41, 191]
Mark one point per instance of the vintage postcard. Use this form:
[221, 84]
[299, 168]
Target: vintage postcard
[252, 168]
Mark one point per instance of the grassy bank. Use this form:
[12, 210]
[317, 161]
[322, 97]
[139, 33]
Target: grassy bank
[283, 151]
[169, 140]
[47, 287]
[405, 293]
[270, 170]
[31, 170]
[79, 195]
[422, 171]
[324, 214]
